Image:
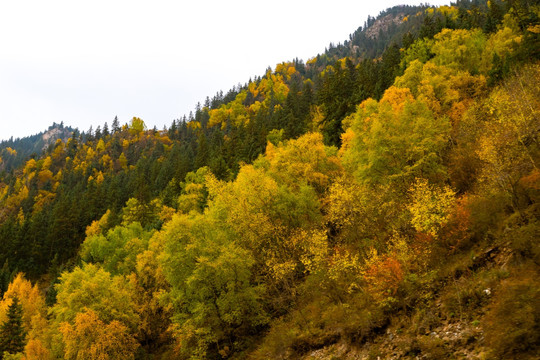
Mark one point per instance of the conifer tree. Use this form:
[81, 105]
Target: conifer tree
[12, 333]
[115, 125]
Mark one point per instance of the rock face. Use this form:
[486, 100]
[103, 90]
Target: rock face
[15, 152]
[383, 24]
[50, 136]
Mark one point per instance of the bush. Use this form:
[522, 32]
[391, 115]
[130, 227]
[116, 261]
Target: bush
[512, 323]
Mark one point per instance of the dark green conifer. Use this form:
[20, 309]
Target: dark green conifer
[12, 333]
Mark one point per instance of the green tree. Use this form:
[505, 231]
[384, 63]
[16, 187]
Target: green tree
[12, 332]
[216, 303]
[92, 288]
[396, 140]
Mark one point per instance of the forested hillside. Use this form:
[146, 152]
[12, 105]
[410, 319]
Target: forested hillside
[379, 200]
[15, 152]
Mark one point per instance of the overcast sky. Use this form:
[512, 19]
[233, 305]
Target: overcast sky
[85, 62]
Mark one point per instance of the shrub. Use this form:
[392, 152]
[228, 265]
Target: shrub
[512, 323]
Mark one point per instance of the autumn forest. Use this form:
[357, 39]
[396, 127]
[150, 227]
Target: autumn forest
[377, 201]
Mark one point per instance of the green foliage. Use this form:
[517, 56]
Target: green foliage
[214, 299]
[137, 125]
[396, 140]
[117, 250]
[459, 49]
[237, 233]
[194, 193]
[420, 50]
[91, 287]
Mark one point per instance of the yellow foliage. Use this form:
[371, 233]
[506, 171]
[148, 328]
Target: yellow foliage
[90, 154]
[36, 350]
[430, 207]
[122, 160]
[92, 339]
[44, 176]
[306, 159]
[14, 200]
[503, 43]
[397, 98]
[33, 304]
[46, 164]
[100, 145]
[29, 167]
[20, 217]
[343, 263]
[451, 12]
[99, 177]
[534, 29]
[459, 49]
[58, 152]
[315, 248]
[107, 161]
[43, 197]
[166, 213]
[98, 226]
[194, 125]
[446, 91]
[508, 145]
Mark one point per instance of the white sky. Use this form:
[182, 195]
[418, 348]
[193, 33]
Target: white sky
[85, 62]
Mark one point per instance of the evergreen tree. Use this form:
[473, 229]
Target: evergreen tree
[115, 125]
[12, 333]
[203, 156]
[105, 130]
[97, 134]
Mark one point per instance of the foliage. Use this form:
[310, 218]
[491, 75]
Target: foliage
[430, 208]
[12, 332]
[91, 288]
[510, 332]
[91, 338]
[396, 140]
[387, 186]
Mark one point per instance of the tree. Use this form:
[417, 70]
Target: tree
[395, 140]
[459, 49]
[115, 125]
[137, 125]
[105, 130]
[12, 332]
[216, 302]
[92, 288]
[30, 300]
[430, 207]
[90, 338]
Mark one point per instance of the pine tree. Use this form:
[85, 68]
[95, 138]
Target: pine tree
[105, 131]
[115, 125]
[12, 333]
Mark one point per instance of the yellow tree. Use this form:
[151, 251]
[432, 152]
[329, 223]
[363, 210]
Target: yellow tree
[509, 145]
[89, 338]
[32, 302]
[430, 207]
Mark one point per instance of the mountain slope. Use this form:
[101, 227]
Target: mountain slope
[346, 207]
